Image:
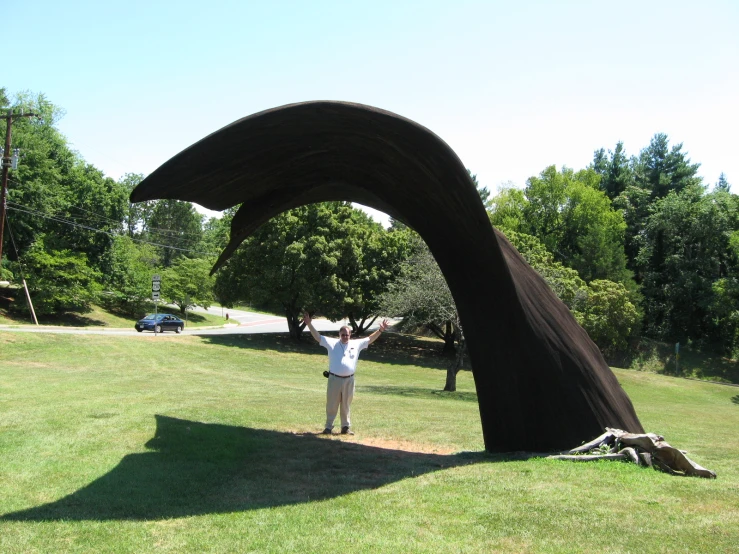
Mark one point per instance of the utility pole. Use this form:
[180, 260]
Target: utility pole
[6, 167]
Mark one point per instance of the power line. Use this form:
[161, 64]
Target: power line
[158, 230]
[12, 206]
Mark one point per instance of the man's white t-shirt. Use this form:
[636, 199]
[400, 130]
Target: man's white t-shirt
[342, 358]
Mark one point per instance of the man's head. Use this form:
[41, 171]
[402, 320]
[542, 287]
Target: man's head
[345, 333]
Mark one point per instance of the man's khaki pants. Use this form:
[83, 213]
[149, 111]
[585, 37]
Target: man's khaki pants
[339, 393]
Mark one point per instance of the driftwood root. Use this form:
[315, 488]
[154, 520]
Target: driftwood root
[646, 449]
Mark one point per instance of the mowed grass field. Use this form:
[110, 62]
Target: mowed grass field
[211, 444]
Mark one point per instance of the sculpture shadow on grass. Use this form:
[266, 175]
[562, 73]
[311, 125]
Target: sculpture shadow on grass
[197, 468]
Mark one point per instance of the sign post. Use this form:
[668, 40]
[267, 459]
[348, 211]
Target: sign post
[156, 283]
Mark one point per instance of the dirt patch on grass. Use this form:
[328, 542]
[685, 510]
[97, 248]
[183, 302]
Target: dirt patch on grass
[388, 444]
[405, 446]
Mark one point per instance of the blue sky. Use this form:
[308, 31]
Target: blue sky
[512, 87]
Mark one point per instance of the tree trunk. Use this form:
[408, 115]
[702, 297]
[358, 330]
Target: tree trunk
[449, 336]
[294, 324]
[358, 329]
[454, 367]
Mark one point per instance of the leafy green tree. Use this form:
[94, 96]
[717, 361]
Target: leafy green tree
[216, 231]
[574, 219]
[371, 259]
[58, 280]
[127, 284]
[565, 282]
[96, 207]
[725, 312]
[57, 200]
[138, 215]
[177, 227]
[507, 208]
[687, 251]
[187, 283]
[304, 259]
[608, 316]
[37, 189]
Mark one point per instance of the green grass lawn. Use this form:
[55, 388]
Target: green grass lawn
[210, 444]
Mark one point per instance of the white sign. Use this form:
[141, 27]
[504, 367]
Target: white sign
[156, 283]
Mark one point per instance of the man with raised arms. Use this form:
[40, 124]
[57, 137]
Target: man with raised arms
[343, 354]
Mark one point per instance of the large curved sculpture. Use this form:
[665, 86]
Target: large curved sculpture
[542, 384]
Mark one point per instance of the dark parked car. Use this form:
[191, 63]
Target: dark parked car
[160, 323]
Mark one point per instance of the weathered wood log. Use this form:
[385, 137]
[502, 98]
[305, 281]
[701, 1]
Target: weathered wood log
[642, 449]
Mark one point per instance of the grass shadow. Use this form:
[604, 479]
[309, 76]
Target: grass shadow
[197, 468]
[735, 399]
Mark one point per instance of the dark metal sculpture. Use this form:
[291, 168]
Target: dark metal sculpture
[542, 384]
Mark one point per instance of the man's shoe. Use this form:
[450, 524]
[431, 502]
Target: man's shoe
[327, 431]
[346, 431]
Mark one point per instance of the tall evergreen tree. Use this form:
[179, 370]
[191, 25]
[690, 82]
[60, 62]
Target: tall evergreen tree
[722, 185]
[614, 170]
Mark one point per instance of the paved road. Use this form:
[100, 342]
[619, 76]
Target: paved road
[243, 323]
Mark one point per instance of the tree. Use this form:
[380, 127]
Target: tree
[421, 296]
[687, 251]
[507, 208]
[304, 259]
[564, 281]
[58, 204]
[657, 171]
[371, 259]
[127, 283]
[216, 231]
[138, 215]
[58, 280]
[661, 169]
[96, 205]
[608, 316]
[722, 185]
[614, 170]
[177, 227]
[575, 221]
[187, 283]
[38, 187]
